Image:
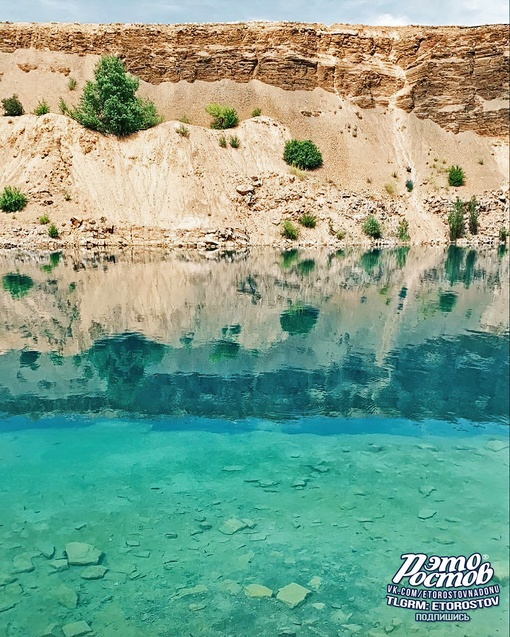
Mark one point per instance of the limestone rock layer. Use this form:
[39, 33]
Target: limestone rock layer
[456, 76]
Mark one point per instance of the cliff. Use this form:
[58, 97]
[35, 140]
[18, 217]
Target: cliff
[455, 76]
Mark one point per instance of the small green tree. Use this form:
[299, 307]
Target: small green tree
[12, 106]
[109, 105]
[12, 200]
[456, 176]
[372, 228]
[456, 220]
[474, 213]
[302, 154]
[223, 116]
[403, 230]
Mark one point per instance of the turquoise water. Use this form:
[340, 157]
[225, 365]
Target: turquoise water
[209, 424]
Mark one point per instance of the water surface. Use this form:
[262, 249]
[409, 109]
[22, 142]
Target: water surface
[344, 407]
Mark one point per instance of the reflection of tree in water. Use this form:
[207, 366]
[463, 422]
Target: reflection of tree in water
[457, 270]
[121, 360]
[370, 260]
[447, 301]
[306, 266]
[401, 254]
[299, 319]
[289, 257]
[18, 285]
[224, 349]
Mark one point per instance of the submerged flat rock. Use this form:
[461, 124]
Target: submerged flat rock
[233, 525]
[82, 554]
[76, 629]
[293, 595]
[94, 572]
[258, 590]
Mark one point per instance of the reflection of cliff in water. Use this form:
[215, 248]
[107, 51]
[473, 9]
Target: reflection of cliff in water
[399, 332]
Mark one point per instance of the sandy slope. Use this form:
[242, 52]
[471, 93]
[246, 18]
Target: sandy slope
[158, 178]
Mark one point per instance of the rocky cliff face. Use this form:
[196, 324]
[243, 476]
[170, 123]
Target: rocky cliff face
[457, 77]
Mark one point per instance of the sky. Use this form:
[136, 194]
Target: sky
[376, 12]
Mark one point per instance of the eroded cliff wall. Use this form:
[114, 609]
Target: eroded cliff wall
[455, 76]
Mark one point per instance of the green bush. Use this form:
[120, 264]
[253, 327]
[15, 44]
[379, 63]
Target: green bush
[308, 220]
[12, 200]
[503, 234]
[456, 176]
[256, 112]
[42, 108]
[12, 106]
[302, 154]
[44, 220]
[223, 141]
[223, 116]
[409, 185]
[372, 228]
[403, 230]
[456, 220]
[234, 141]
[289, 230]
[53, 232]
[109, 105]
[473, 213]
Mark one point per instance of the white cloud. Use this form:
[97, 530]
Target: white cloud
[389, 20]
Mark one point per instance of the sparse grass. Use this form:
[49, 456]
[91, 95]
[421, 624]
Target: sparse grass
[456, 176]
[53, 232]
[456, 220]
[340, 235]
[308, 220]
[394, 174]
[42, 108]
[234, 141]
[300, 174]
[184, 119]
[182, 130]
[223, 141]
[503, 234]
[409, 185]
[289, 230]
[409, 169]
[473, 214]
[372, 228]
[63, 107]
[71, 85]
[12, 106]
[12, 200]
[390, 188]
[403, 230]
[256, 112]
[67, 196]
[223, 116]
[44, 220]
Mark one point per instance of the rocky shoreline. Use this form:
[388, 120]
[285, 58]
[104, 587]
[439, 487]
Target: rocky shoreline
[89, 233]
